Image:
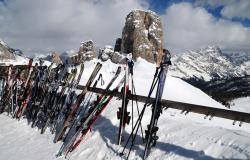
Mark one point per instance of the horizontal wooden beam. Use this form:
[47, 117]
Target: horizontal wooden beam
[207, 111]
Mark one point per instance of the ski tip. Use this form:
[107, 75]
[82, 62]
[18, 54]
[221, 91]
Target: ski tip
[55, 140]
[58, 155]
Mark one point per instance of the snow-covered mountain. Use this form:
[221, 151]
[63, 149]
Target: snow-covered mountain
[6, 52]
[10, 55]
[224, 76]
[210, 63]
[5, 48]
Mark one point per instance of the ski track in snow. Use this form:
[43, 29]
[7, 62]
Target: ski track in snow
[180, 136]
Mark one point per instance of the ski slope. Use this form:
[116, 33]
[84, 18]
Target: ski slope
[180, 136]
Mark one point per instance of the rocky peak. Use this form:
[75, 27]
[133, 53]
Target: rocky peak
[118, 43]
[210, 50]
[86, 46]
[55, 58]
[86, 50]
[143, 35]
[108, 53]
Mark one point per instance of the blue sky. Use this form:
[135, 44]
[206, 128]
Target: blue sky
[160, 6]
[37, 26]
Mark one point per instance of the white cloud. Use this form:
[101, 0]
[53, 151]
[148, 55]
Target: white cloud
[238, 9]
[35, 25]
[231, 8]
[189, 27]
[43, 26]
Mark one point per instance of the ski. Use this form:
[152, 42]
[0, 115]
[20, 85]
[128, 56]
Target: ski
[51, 115]
[28, 90]
[40, 101]
[150, 133]
[69, 139]
[122, 114]
[6, 91]
[79, 75]
[89, 120]
[66, 121]
[81, 112]
[55, 108]
[12, 80]
[45, 107]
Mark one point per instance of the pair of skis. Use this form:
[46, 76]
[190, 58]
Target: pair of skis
[151, 138]
[123, 114]
[150, 133]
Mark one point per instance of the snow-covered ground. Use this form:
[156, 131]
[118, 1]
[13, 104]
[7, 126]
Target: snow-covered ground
[241, 104]
[180, 136]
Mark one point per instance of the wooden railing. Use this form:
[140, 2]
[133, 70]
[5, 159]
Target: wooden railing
[208, 112]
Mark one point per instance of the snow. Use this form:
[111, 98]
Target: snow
[3, 43]
[180, 136]
[175, 88]
[109, 47]
[143, 46]
[83, 42]
[241, 104]
[20, 60]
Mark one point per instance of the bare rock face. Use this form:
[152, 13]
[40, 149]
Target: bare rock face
[143, 35]
[118, 43]
[116, 57]
[5, 53]
[108, 53]
[56, 58]
[86, 51]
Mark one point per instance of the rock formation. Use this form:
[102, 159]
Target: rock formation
[143, 35]
[108, 53]
[86, 50]
[118, 44]
[56, 58]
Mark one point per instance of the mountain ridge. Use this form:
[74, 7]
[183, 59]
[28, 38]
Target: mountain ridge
[210, 63]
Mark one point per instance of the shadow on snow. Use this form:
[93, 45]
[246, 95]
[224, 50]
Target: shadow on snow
[108, 133]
